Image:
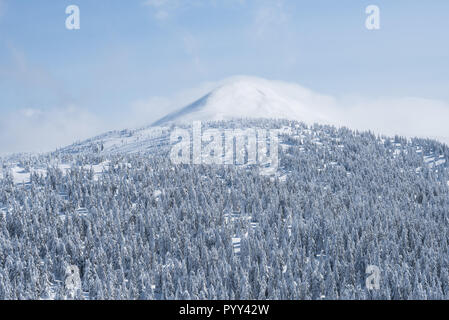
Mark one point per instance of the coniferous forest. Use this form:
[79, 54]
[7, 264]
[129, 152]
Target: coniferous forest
[145, 228]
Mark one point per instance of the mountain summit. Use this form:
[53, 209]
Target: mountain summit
[249, 97]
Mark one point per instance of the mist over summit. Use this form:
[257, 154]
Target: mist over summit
[251, 97]
[246, 97]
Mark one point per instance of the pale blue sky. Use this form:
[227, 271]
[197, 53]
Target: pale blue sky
[127, 52]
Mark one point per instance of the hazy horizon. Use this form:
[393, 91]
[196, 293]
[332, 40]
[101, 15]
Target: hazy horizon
[131, 63]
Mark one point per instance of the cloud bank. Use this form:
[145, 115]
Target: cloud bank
[34, 130]
[409, 116]
[39, 130]
[404, 116]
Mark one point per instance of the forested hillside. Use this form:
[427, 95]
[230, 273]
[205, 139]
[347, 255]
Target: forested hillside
[139, 227]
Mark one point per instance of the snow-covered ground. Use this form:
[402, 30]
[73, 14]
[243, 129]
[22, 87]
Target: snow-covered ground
[98, 169]
[22, 175]
[236, 244]
[146, 139]
[434, 161]
[125, 141]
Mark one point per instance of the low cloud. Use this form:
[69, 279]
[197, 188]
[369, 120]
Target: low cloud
[40, 130]
[165, 9]
[408, 116]
[404, 116]
[34, 130]
[146, 111]
[270, 18]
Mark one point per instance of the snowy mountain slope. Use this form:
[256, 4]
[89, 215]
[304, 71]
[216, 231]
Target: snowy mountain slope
[236, 98]
[338, 198]
[248, 97]
[124, 141]
[345, 200]
[152, 141]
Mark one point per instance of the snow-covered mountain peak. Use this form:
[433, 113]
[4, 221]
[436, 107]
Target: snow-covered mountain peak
[250, 97]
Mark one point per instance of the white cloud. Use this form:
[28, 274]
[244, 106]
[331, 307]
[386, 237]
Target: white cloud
[34, 130]
[146, 111]
[163, 8]
[192, 48]
[408, 116]
[270, 19]
[157, 3]
[272, 29]
[29, 113]
[405, 116]
[39, 130]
